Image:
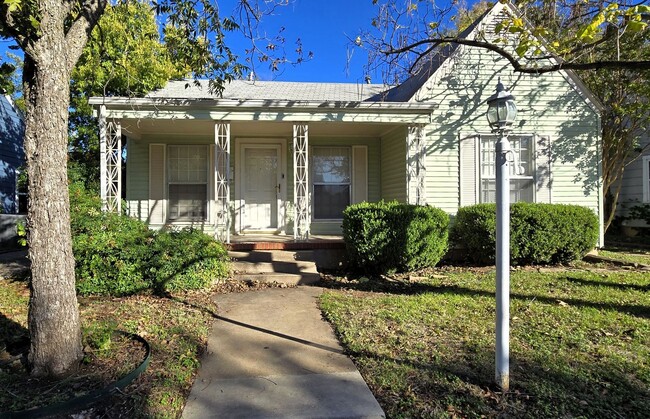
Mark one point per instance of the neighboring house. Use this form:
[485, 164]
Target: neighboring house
[11, 155]
[635, 189]
[287, 158]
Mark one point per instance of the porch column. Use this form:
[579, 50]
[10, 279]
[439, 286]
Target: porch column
[415, 166]
[301, 201]
[222, 180]
[110, 162]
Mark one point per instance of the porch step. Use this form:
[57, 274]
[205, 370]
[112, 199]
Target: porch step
[287, 245]
[287, 267]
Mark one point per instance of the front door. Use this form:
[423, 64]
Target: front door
[261, 183]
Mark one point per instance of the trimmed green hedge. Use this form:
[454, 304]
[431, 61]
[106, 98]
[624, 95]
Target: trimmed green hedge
[119, 255]
[389, 236]
[539, 233]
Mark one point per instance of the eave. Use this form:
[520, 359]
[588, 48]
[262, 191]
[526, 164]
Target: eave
[263, 110]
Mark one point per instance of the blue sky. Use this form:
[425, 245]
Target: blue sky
[324, 27]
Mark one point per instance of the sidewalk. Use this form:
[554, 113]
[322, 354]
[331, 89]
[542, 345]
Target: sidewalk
[271, 355]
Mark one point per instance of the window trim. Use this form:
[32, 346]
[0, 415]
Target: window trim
[533, 163]
[313, 183]
[168, 182]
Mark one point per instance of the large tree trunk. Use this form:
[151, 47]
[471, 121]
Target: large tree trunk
[54, 325]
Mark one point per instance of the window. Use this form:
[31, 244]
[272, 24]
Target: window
[522, 179]
[646, 178]
[331, 180]
[187, 168]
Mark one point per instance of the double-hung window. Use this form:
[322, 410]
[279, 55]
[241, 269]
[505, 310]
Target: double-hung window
[522, 169]
[187, 168]
[331, 174]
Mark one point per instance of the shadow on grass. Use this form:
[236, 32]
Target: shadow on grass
[539, 388]
[591, 282]
[14, 338]
[404, 288]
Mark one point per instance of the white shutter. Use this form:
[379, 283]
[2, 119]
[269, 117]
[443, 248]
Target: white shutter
[157, 202]
[543, 174]
[359, 174]
[468, 170]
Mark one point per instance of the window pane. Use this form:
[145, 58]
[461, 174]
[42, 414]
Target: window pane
[188, 164]
[330, 201]
[188, 202]
[331, 164]
[521, 190]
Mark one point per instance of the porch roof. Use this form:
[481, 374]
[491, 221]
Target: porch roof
[263, 110]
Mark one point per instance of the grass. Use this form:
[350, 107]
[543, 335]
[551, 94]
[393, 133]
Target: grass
[580, 342]
[177, 339]
[626, 254]
[176, 326]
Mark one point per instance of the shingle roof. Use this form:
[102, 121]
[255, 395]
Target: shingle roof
[271, 90]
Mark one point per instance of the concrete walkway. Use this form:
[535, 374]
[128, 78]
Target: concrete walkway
[271, 355]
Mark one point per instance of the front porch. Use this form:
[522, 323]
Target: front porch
[265, 178]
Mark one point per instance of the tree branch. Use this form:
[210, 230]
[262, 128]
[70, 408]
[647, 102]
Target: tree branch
[80, 29]
[521, 68]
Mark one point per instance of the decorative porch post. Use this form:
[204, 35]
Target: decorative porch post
[110, 162]
[415, 166]
[222, 180]
[301, 199]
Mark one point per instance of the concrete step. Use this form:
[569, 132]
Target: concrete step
[282, 266]
[273, 261]
[281, 278]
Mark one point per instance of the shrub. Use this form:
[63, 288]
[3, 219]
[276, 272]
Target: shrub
[118, 255]
[388, 236]
[186, 259]
[539, 233]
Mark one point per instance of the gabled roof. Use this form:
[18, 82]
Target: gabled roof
[431, 63]
[407, 90]
[271, 90]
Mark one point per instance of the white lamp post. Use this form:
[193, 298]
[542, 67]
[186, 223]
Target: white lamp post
[501, 113]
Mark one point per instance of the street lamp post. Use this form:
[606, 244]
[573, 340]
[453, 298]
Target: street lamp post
[501, 113]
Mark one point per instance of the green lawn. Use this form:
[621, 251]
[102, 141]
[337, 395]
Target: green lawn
[626, 255]
[580, 343]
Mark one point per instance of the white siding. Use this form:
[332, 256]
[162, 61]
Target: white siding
[549, 105]
[632, 188]
[393, 164]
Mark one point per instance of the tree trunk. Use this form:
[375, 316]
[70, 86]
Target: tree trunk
[54, 326]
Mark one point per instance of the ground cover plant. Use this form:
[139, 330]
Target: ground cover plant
[580, 341]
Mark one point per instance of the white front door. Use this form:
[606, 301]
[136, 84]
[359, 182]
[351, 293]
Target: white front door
[261, 183]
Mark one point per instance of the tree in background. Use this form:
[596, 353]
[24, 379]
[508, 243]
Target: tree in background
[124, 56]
[52, 35]
[405, 31]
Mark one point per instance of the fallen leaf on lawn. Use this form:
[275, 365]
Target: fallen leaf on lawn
[562, 303]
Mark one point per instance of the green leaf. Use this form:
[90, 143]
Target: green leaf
[12, 5]
[522, 49]
[34, 22]
[635, 26]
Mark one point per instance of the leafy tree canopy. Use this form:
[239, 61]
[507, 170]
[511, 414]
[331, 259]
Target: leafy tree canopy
[572, 32]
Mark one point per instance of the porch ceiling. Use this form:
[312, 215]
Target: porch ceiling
[137, 128]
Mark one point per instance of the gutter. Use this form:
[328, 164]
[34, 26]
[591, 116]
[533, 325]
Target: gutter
[259, 104]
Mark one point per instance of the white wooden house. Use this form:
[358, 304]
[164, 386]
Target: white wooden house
[287, 158]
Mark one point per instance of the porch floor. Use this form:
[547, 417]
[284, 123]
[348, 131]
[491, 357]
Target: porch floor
[283, 242]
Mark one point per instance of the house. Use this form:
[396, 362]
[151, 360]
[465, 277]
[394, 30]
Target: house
[11, 155]
[287, 158]
[635, 187]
